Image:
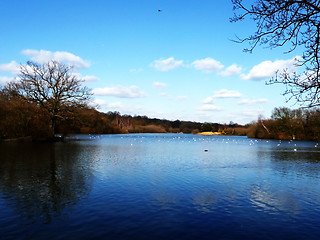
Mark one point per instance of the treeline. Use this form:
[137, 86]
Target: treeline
[143, 124]
[285, 123]
[48, 99]
[20, 118]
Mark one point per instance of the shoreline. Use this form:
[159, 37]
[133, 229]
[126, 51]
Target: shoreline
[209, 133]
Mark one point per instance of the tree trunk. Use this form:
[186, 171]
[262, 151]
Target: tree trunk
[52, 127]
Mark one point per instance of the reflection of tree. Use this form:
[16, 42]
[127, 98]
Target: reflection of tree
[302, 161]
[41, 180]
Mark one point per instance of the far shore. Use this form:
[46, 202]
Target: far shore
[209, 133]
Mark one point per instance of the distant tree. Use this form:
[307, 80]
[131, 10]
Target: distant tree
[112, 115]
[176, 124]
[288, 121]
[312, 122]
[206, 127]
[52, 86]
[292, 23]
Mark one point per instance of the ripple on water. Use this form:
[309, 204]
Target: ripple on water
[160, 186]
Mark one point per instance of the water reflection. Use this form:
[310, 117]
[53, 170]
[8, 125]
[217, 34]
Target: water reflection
[159, 187]
[39, 181]
[273, 201]
[301, 161]
[288, 182]
[205, 202]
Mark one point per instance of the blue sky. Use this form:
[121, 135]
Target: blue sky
[179, 63]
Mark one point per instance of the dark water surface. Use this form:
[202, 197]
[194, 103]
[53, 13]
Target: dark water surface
[160, 186]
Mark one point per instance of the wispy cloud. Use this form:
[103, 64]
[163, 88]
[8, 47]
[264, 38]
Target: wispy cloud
[90, 78]
[12, 67]
[42, 56]
[208, 100]
[170, 97]
[223, 93]
[165, 95]
[100, 102]
[159, 85]
[165, 65]
[251, 113]
[245, 116]
[207, 65]
[210, 107]
[4, 80]
[252, 101]
[232, 70]
[267, 69]
[123, 108]
[87, 78]
[116, 105]
[119, 91]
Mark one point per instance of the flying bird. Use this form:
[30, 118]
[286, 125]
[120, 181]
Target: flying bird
[159, 10]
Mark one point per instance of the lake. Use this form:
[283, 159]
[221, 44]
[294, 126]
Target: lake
[160, 186]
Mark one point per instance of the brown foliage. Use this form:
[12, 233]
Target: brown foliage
[238, 131]
[86, 120]
[51, 86]
[19, 118]
[287, 124]
[149, 129]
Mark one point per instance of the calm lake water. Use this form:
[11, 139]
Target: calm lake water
[160, 186]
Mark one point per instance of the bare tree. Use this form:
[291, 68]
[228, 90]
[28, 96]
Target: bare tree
[291, 23]
[52, 86]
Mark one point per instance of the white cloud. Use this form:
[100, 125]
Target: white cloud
[123, 108]
[42, 56]
[12, 67]
[268, 68]
[252, 113]
[90, 78]
[207, 65]
[159, 85]
[4, 80]
[245, 116]
[100, 102]
[165, 65]
[232, 70]
[170, 97]
[225, 93]
[116, 105]
[119, 91]
[210, 107]
[131, 109]
[208, 100]
[252, 102]
[87, 78]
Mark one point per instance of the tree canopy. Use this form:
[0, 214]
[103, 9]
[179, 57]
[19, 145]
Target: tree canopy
[52, 85]
[294, 24]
